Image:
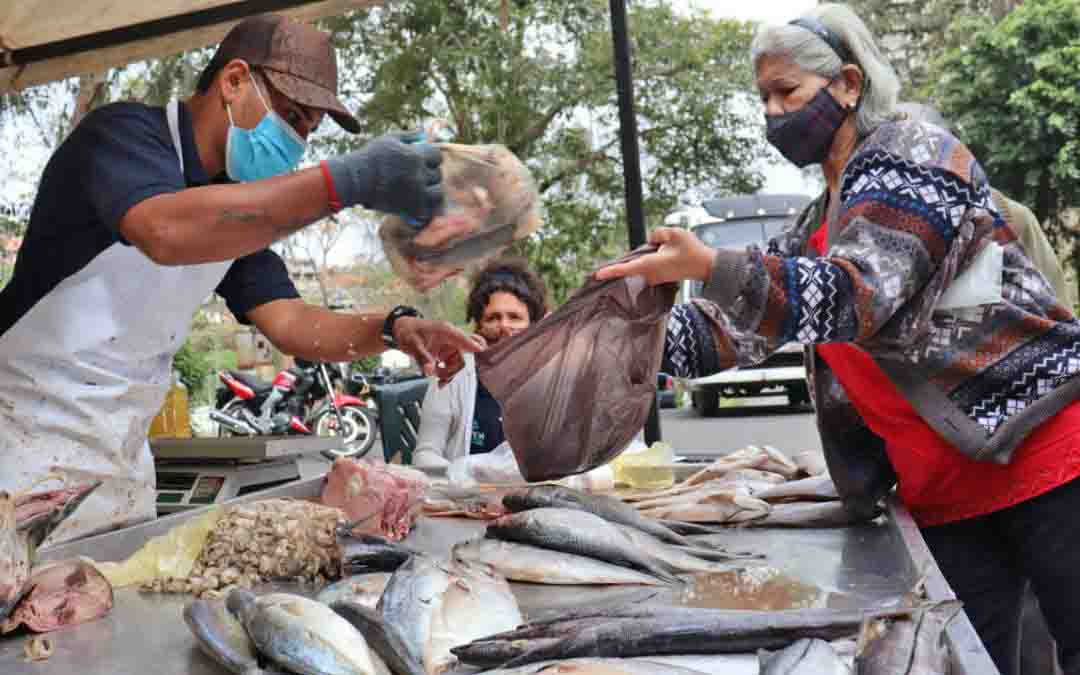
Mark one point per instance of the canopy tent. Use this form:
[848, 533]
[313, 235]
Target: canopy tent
[45, 40]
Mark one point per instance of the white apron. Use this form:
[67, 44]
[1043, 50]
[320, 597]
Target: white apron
[84, 372]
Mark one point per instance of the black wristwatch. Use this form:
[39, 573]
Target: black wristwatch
[388, 325]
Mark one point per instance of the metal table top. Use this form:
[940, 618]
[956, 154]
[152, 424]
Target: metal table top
[862, 566]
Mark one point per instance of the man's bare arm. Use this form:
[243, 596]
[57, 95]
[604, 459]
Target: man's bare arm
[318, 334]
[223, 222]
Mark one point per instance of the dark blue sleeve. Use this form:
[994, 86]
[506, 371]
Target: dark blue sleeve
[128, 156]
[255, 280]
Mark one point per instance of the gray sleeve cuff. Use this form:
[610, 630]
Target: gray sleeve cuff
[728, 277]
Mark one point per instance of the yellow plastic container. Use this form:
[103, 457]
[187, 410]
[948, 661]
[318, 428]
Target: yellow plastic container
[174, 418]
[649, 469]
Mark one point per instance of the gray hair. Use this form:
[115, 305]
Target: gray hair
[810, 52]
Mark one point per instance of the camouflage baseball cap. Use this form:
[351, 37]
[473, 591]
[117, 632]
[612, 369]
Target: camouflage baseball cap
[298, 59]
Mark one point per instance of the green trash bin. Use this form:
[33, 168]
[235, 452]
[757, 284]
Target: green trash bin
[399, 416]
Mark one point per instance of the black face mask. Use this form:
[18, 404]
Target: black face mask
[805, 136]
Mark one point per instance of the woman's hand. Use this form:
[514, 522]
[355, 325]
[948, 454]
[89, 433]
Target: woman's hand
[436, 345]
[681, 256]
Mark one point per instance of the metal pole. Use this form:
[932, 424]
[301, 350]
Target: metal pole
[628, 137]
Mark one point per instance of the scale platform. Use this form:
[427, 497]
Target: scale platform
[194, 472]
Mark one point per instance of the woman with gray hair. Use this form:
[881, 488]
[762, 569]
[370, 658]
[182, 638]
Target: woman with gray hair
[964, 399]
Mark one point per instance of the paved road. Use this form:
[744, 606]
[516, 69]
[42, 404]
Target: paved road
[733, 428]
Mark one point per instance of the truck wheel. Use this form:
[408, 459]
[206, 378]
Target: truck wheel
[798, 396]
[706, 402]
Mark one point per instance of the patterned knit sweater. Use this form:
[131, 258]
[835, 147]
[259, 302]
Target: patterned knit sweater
[914, 210]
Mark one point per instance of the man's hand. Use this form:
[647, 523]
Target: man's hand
[393, 175]
[681, 256]
[436, 345]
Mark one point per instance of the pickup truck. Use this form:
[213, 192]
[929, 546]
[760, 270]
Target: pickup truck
[737, 222]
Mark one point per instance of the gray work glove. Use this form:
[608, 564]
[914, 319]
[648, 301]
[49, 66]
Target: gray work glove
[393, 174]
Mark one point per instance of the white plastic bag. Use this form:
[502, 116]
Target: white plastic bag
[979, 284]
[499, 467]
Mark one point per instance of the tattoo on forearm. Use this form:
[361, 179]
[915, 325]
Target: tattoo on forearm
[231, 216]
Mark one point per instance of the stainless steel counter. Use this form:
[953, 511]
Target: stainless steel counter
[861, 566]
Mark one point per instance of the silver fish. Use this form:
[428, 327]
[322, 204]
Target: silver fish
[911, 646]
[807, 514]
[363, 589]
[682, 559]
[804, 657]
[815, 489]
[576, 532]
[221, 636]
[412, 598]
[640, 631]
[383, 638]
[478, 602]
[608, 508]
[302, 635]
[521, 562]
[596, 667]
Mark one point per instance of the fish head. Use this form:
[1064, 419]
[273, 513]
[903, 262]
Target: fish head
[241, 603]
[38, 514]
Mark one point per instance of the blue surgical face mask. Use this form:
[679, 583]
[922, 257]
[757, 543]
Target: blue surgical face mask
[272, 148]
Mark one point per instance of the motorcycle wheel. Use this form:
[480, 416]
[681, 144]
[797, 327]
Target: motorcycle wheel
[358, 432]
[232, 409]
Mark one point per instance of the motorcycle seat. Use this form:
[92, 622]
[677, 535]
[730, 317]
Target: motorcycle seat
[258, 386]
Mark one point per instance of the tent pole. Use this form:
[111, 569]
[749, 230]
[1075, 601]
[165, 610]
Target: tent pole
[628, 137]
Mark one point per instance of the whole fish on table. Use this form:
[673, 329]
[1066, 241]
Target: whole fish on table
[658, 631]
[382, 637]
[709, 506]
[522, 562]
[609, 508]
[814, 489]
[804, 657]
[578, 532]
[478, 602]
[302, 635]
[711, 478]
[914, 645]
[413, 596]
[596, 667]
[362, 589]
[370, 553]
[808, 514]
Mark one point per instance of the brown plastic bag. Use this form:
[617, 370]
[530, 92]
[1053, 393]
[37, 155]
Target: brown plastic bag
[491, 202]
[577, 386]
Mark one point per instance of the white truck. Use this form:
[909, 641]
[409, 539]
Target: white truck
[736, 222]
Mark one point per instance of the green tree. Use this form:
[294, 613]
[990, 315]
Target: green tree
[538, 77]
[915, 32]
[1012, 92]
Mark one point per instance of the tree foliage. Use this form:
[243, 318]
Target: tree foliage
[539, 79]
[1011, 90]
[913, 33]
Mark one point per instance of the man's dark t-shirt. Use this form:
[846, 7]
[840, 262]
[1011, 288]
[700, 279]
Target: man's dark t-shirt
[487, 428]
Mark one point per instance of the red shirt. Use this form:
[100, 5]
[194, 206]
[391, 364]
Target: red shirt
[938, 483]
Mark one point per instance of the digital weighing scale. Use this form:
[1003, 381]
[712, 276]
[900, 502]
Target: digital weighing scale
[193, 472]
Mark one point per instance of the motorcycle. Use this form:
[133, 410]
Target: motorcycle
[299, 401]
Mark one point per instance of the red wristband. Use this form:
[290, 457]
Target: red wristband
[331, 192]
